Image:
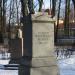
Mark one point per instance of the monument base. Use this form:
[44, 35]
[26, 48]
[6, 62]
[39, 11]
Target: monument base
[43, 58]
[44, 66]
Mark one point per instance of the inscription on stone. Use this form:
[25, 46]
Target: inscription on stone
[42, 37]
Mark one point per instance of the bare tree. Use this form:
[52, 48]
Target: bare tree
[31, 6]
[2, 19]
[66, 20]
[58, 16]
[27, 37]
[1, 37]
[0, 14]
[53, 7]
[40, 4]
[74, 8]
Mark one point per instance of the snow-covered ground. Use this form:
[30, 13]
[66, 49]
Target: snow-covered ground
[8, 72]
[67, 66]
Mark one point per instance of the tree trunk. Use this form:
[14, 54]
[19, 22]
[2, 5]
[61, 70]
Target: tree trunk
[66, 20]
[58, 16]
[24, 5]
[53, 7]
[24, 68]
[74, 14]
[1, 34]
[31, 6]
[74, 8]
[0, 15]
[40, 4]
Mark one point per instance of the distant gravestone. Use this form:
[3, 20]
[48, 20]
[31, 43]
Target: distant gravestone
[43, 59]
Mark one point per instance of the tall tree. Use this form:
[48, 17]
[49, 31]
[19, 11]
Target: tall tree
[58, 16]
[66, 20]
[73, 2]
[31, 6]
[1, 37]
[53, 7]
[2, 19]
[74, 8]
[27, 38]
[40, 4]
[24, 6]
[0, 14]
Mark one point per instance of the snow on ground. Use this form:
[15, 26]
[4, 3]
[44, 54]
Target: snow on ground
[8, 72]
[4, 62]
[67, 66]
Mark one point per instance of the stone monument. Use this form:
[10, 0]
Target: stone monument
[43, 59]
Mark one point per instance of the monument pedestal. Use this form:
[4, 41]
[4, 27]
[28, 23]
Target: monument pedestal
[44, 66]
[43, 59]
